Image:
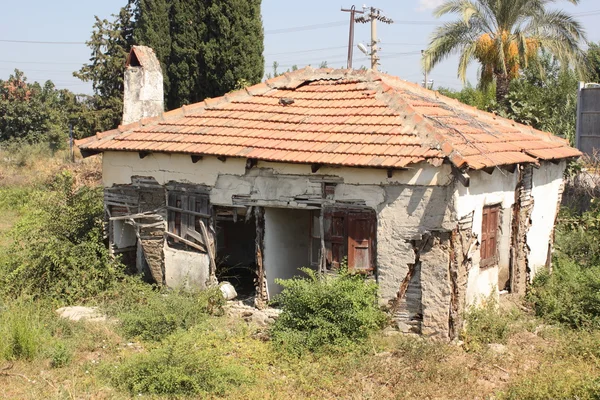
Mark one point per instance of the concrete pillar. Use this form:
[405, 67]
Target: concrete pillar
[144, 94]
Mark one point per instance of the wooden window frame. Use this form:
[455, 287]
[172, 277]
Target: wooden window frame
[186, 211]
[490, 227]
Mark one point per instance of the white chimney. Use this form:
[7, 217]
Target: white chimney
[144, 93]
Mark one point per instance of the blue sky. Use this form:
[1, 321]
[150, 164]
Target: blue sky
[72, 20]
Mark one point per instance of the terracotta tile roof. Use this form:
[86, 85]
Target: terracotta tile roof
[337, 117]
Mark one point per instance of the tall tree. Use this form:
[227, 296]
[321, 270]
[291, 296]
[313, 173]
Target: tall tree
[504, 36]
[110, 43]
[152, 28]
[231, 46]
[593, 57]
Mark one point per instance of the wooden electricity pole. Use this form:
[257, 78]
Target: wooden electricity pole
[353, 13]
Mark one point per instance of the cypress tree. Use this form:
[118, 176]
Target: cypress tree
[152, 28]
[231, 49]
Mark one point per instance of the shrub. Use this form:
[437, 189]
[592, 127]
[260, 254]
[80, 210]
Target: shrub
[58, 250]
[570, 295]
[163, 313]
[323, 310]
[181, 366]
[486, 324]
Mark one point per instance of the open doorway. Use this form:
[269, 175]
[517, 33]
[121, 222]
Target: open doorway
[236, 249]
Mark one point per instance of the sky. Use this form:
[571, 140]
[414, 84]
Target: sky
[296, 33]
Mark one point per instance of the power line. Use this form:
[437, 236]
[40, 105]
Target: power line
[305, 51]
[37, 42]
[305, 28]
[39, 62]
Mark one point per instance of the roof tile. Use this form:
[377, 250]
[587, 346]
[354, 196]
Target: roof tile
[338, 118]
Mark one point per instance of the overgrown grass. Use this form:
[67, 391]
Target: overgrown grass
[182, 365]
[163, 312]
[486, 323]
[324, 311]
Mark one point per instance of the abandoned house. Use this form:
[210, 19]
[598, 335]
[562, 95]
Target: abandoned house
[441, 203]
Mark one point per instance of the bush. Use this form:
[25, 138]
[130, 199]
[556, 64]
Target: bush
[570, 295]
[58, 250]
[181, 366]
[486, 324]
[163, 313]
[322, 310]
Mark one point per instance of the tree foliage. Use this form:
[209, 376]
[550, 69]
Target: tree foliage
[110, 43]
[206, 48]
[505, 37]
[34, 113]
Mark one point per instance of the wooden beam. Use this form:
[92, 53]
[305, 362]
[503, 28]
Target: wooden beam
[489, 170]
[144, 154]
[315, 167]
[222, 158]
[196, 158]
[187, 242]
[462, 176]
[197, 214]
[390, 173]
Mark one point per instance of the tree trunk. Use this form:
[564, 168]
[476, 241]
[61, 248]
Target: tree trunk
[502, 83]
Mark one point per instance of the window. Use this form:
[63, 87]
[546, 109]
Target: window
[187, 213]
[350, 234]
[489, 235]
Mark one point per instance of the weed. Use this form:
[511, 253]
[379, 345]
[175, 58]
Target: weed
[486, 324]
[60, 356]
[162, 313]
[22, 331]
[323, 311]
[183, 365]
[570, 295]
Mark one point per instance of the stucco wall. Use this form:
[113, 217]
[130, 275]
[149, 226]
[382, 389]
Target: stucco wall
[547, 181]
[487, 189]
[185, 269]
[286, 245]
[498, 188]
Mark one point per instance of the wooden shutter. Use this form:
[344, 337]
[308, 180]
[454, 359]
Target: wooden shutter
[489, 235]
[361, 237]
[335, 236]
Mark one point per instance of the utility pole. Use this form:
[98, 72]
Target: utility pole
[375, 14]
[353, 13]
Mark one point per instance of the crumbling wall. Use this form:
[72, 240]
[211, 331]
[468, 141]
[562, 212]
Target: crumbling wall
[546, 191]
[522, 210]
[497, 188]
[415, 218]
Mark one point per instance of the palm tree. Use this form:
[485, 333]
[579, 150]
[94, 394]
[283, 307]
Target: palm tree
[505, 36]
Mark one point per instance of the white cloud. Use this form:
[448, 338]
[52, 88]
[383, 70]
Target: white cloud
[425, 5]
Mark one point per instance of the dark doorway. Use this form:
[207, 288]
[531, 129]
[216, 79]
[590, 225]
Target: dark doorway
[236, 249]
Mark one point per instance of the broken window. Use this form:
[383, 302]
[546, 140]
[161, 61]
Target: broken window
[489, 235]
[350, 234]
[188, 220]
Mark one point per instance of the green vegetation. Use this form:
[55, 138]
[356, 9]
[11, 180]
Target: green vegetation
[183, 365]
[57, 250]
[488, 324]
[504, 37]
[324, 311]
[164, 313]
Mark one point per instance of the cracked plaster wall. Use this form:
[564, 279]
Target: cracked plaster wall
[547, 182]
[499, 188]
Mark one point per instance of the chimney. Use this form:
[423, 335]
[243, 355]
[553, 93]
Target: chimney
[143, 84]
